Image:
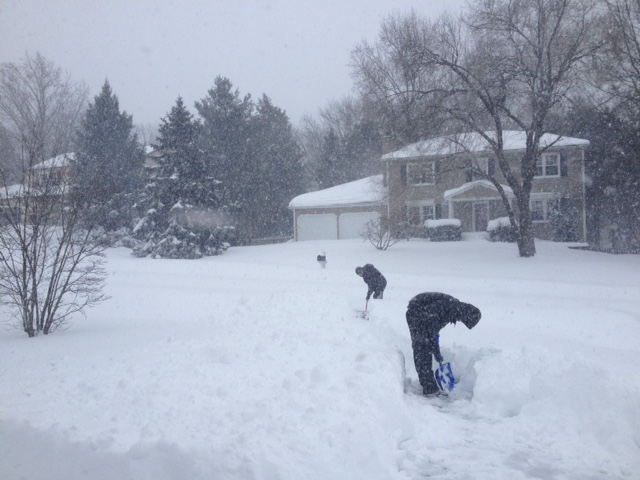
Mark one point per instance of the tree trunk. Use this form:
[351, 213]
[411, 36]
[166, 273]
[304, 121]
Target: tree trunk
[526, 240]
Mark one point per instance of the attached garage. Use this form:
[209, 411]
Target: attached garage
[321, 226]
[339, 212]
[351, 225]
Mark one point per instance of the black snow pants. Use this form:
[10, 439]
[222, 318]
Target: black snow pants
[425, 344]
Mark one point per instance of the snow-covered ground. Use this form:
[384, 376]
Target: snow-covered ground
[253, 365]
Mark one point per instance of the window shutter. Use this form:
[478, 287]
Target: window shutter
[492, 167]
[405, 213]
[469, 171]
[403, 173]
[438, 211]
[564, 168]
[436, 171]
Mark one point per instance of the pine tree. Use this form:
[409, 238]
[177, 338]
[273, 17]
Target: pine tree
[276, 173]
[183, 217]
[108, 162]
[226, 132]
[612, 164]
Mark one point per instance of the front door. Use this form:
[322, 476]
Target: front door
[480, 216]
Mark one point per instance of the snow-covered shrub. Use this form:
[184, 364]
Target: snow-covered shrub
[191, 233]
[501, 230]
[444, 230]
[405, 230]
[563, 220]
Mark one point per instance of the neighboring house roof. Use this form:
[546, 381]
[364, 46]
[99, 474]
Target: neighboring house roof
[476, 183]
[11, 191]
[62, 160]
[474, 143]
[17, 191]
[363, 192]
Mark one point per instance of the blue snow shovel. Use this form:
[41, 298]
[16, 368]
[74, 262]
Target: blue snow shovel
[445, 378]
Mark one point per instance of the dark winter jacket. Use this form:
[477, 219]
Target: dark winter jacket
[428, 313]
[374, 279]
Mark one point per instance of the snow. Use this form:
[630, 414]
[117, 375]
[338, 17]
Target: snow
[498, 222]
[449, 222]
[475, 143]
[62, 160]
[476, 183]
[254, 365]
[366, 191]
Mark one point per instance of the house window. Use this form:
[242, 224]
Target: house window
[418, 213]
[482, 165]
[421, 173]
[537, 211]
[540, 209]
[548, 165]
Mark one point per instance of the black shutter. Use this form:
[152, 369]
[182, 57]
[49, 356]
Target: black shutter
[438, 211]
[405, 213]
[403, 173]
[469, 171]
[564, 168]
[436, 170]
[492, 167]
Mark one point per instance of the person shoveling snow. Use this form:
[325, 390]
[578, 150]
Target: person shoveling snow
[427, 314]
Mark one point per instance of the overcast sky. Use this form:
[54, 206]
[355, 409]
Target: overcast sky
[295, 51]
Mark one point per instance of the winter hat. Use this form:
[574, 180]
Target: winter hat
[358, 270]
[469, 315]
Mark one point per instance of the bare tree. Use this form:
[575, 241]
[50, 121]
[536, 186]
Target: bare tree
[620, 63]
[380, 235]
[506, 64]
[50, 267]
[147, 133]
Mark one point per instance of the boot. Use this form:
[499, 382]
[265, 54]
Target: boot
[430, 389]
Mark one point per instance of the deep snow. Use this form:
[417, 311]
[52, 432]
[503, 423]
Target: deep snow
[253, 365]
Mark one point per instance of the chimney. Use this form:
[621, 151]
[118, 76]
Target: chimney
[388, 143]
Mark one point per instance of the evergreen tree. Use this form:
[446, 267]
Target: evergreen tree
[275, 175]
[108, 162]
[612, 165]
[226, 132]
[183, 217]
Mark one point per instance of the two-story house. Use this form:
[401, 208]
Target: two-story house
[446, 177]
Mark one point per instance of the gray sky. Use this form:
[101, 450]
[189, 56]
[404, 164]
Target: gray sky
[295, 51]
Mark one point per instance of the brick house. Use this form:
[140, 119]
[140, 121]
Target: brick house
[446, 178]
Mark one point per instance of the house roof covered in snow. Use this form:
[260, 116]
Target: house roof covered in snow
[62, 160]
[474, 143]
[366, 191]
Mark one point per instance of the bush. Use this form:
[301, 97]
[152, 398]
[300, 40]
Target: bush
[501, 230]
[445, 230]
[379, 235]
[407, 231]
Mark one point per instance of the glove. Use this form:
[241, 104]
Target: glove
[439, 359]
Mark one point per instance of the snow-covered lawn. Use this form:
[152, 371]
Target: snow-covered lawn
[253, 365]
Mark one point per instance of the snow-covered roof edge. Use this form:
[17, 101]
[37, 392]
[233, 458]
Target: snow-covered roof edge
[474, 143]
[476, 183]
[62, 160]
[364, 192]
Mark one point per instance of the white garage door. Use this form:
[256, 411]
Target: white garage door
[352, 224]
[317, 227]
